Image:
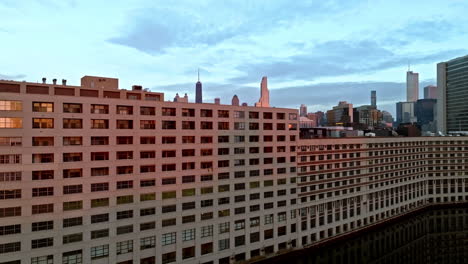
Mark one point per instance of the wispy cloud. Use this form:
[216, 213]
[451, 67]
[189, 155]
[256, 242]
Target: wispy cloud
[12, 77]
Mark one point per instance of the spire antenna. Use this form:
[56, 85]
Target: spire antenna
[198, 74]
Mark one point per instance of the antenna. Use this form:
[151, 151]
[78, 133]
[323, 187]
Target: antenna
[409, 66]
[199, 74]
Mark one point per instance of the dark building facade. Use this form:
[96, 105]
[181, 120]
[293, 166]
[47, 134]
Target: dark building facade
[424, 110]
[452, 83]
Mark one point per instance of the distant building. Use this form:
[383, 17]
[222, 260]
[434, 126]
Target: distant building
[424, 111]
[405, 112]
[452, 87]
[412, 86]
[314, 117]
[303, 110]
[235, 100]
[264, 94]
[321, 118]
[340, 115]
[305, 122]
[387, 118]
[198, 91]
[179, 99]
[430, 92]
[367, 115]
[374, 99]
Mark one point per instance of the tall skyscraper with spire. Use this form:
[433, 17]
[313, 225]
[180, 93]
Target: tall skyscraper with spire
[264, 94]
[198, 90]
[412, 86]
[374, 99]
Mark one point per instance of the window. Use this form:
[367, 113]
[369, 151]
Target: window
[124, 170]
[43, 191]
[99, 141]
[12, 176]
[168, 167]
[188, 112]
[11, 122]
[168, 124]
[99, 218]
[147, 110]
[147, 124]
[99, 233]
[188, 139]
[188, 234]
[99, 123]
[206, 248]
[72, 257]
[124, 124]
[207, 231]
[168, 140]
[168, 257]
[72, 141]
[73, 205]
[188, 165]
[125, 199]
[147, 140]
[188, 125]
[10, 211]
[72, 157]
[11, 105]
[147, 242]
[206, 113]
[101, 171]
[238, 139]
[43, 123]
[72, 123]
[239, 126]
[43, 242]
[169, 195]
[124, 247]
[124, 229]
[74, 221]
[99, 109]
[72, 108]
[49, 259]
[168, 238]
[40, 226]
[166, 111]
[10, 230]
[125, 140]
[206, 125]
[10, 247]
[70, 189]
[38, 141]
[16, 158]
[122, 155]
[239, 114]
[188, 179]
[99, 202]
[43, 107]
[124, 110]
[99, 251]
[223, 244]
[188, 252]
[224, 227]
[72, 238]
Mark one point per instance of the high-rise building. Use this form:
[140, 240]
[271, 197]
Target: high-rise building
[198, 90]
[412, 86]
[405, 112]
[424, 110]
[264, 94]
[102, 175]
[374, 99]
[303, 110]
[430, 92]
[340, 115]
[452, 87]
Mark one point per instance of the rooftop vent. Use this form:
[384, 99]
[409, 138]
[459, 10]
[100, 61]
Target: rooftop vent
[54, 81]
[64, 82]
[137, 88]
[44, 79]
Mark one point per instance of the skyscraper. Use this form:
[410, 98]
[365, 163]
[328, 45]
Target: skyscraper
[264, 100]
[198, 90]
[430, 92]
[412, 86]
[452, 89]
[374, 99]
[303, 110]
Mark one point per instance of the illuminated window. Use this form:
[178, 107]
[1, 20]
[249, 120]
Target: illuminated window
[11, 105]
[11, 122]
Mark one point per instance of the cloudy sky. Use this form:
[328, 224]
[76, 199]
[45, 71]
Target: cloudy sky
[315, 52]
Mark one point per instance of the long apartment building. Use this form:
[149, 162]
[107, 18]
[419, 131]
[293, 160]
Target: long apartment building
[94, 174]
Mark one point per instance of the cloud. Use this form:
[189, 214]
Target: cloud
[154, 30]
[337, 58]
[12, 77]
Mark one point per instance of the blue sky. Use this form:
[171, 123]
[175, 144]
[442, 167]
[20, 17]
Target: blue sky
[313, 52]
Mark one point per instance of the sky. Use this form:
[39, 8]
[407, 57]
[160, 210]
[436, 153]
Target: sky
[314, 52]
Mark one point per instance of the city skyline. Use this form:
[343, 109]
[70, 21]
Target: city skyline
[161, 47]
